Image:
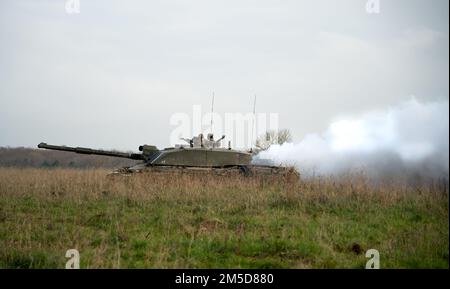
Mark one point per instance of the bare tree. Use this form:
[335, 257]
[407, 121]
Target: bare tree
[272, 137]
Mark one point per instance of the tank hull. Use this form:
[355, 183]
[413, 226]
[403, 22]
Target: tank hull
[289, 174]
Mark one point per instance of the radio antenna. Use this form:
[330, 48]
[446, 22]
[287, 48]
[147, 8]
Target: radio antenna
[253, 122]
[212, 111]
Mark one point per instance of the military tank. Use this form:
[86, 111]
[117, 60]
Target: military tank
[199, 154]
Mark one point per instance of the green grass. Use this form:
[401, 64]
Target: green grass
[173, 221]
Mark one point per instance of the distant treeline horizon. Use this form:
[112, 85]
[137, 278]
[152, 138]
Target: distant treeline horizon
[24, 157]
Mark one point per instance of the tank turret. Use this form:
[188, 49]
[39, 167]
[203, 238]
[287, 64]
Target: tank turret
[200, 152]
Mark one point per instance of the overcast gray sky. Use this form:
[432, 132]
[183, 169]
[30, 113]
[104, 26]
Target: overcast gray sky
[112, 75]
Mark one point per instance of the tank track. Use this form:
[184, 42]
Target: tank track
[232, 171]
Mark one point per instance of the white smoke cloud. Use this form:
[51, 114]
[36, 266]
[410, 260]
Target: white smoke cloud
[412, 137]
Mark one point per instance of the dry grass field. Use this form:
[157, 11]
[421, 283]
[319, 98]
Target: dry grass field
[184, 221]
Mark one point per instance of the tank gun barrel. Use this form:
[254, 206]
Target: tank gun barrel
[88, 151]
